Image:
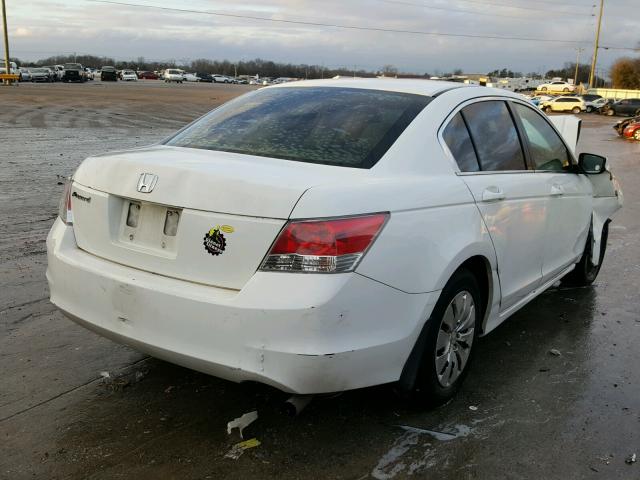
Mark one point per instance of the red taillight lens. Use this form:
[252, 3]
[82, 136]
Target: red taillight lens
[64, 208]
[327, 246]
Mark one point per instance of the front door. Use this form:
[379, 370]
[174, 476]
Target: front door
[568, 196]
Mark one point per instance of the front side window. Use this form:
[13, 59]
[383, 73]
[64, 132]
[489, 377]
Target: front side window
[548, 151]
[457, 138]
[346, 127]
[494, 135]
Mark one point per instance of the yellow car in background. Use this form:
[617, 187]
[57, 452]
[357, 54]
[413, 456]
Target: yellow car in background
[564, 104]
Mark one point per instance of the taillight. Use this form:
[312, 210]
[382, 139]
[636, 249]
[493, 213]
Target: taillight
[64, 208]
[323, 246]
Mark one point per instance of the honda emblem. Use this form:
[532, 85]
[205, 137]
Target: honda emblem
[147, 182]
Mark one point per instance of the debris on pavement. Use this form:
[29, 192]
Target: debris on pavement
[242, 422]
[238, 449]
[630, 459]
[473, 408]
[555, 352]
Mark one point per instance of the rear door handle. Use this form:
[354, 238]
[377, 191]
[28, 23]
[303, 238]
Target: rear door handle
[493, 194]
[556, 190]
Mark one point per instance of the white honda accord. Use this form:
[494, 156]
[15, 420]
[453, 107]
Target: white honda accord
[330, 235]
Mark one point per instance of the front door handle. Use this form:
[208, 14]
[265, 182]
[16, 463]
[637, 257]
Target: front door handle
[557, 190]
[493, 194]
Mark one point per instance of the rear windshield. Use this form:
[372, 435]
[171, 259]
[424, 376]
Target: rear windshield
[329, 125]
[108, 69]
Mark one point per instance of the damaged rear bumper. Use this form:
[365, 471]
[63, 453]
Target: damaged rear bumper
[300, 333]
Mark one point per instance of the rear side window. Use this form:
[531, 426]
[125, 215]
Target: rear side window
[494, 135]
[457, 138]
[346, 127]
[547, 150]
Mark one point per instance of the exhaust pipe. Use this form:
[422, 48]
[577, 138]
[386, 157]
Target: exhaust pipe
[295, 404]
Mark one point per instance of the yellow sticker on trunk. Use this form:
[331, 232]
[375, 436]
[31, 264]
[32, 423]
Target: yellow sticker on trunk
[227, 228]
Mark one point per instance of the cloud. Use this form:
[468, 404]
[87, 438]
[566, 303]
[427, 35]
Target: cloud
[42, 28]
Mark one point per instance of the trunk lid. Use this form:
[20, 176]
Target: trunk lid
[210, 217]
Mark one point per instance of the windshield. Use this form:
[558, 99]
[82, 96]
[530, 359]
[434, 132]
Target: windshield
[335, 126]
[72, 66]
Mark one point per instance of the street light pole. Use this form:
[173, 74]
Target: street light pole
[595, 49]
[6, 39]
[575, 77]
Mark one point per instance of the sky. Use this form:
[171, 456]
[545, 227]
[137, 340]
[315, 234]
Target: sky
[42, 28]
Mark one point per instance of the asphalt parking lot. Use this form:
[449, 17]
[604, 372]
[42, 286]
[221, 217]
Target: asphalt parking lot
[523, 412]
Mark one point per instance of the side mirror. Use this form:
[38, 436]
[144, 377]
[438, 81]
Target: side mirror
[592, 164]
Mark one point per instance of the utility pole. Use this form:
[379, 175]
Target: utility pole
[6, 40]
[595, 49]
[575, 77]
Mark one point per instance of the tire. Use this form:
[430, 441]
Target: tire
[636, 135]
[543, 89]
[589, 109]
[586, 272]
[611, 112]
[548, 109]
[440, 373]
[565, 89]
[637, 114]
[575, 110]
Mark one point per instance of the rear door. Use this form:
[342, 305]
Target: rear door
[484, 141]
[568, 194]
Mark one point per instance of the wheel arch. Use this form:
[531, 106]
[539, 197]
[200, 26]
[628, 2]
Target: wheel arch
[482, 268]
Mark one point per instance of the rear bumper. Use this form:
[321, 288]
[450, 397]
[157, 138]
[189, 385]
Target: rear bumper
[300, 333]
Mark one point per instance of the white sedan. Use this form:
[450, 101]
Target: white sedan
[556, 87]
[129, 76]
[321, 236]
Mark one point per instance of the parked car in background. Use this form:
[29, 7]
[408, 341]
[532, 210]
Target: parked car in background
[173, 75]
[108, 74]
[622, 124]
[564, 104]
[220, 78]
[148, 75]
[595, 105]
[25, 74]
[405, 262]
[632, 131]
[59, 71]
[204, 77]
[54, 76]
[556, 87]
[73, 72]
[539, 98]
[129, 76]
[628, 106]
[88, 73]
[191, 77]
[241, 81]
[41, 74]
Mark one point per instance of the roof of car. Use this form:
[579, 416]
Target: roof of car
[415, 86]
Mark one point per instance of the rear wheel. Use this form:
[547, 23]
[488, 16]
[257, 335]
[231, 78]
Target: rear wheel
[543, 89]
[575, 110]
[548, 109]
[565, 89]
[586, 272]
[636, 134]
[451, 331]
[611, 112]
[589, 109]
